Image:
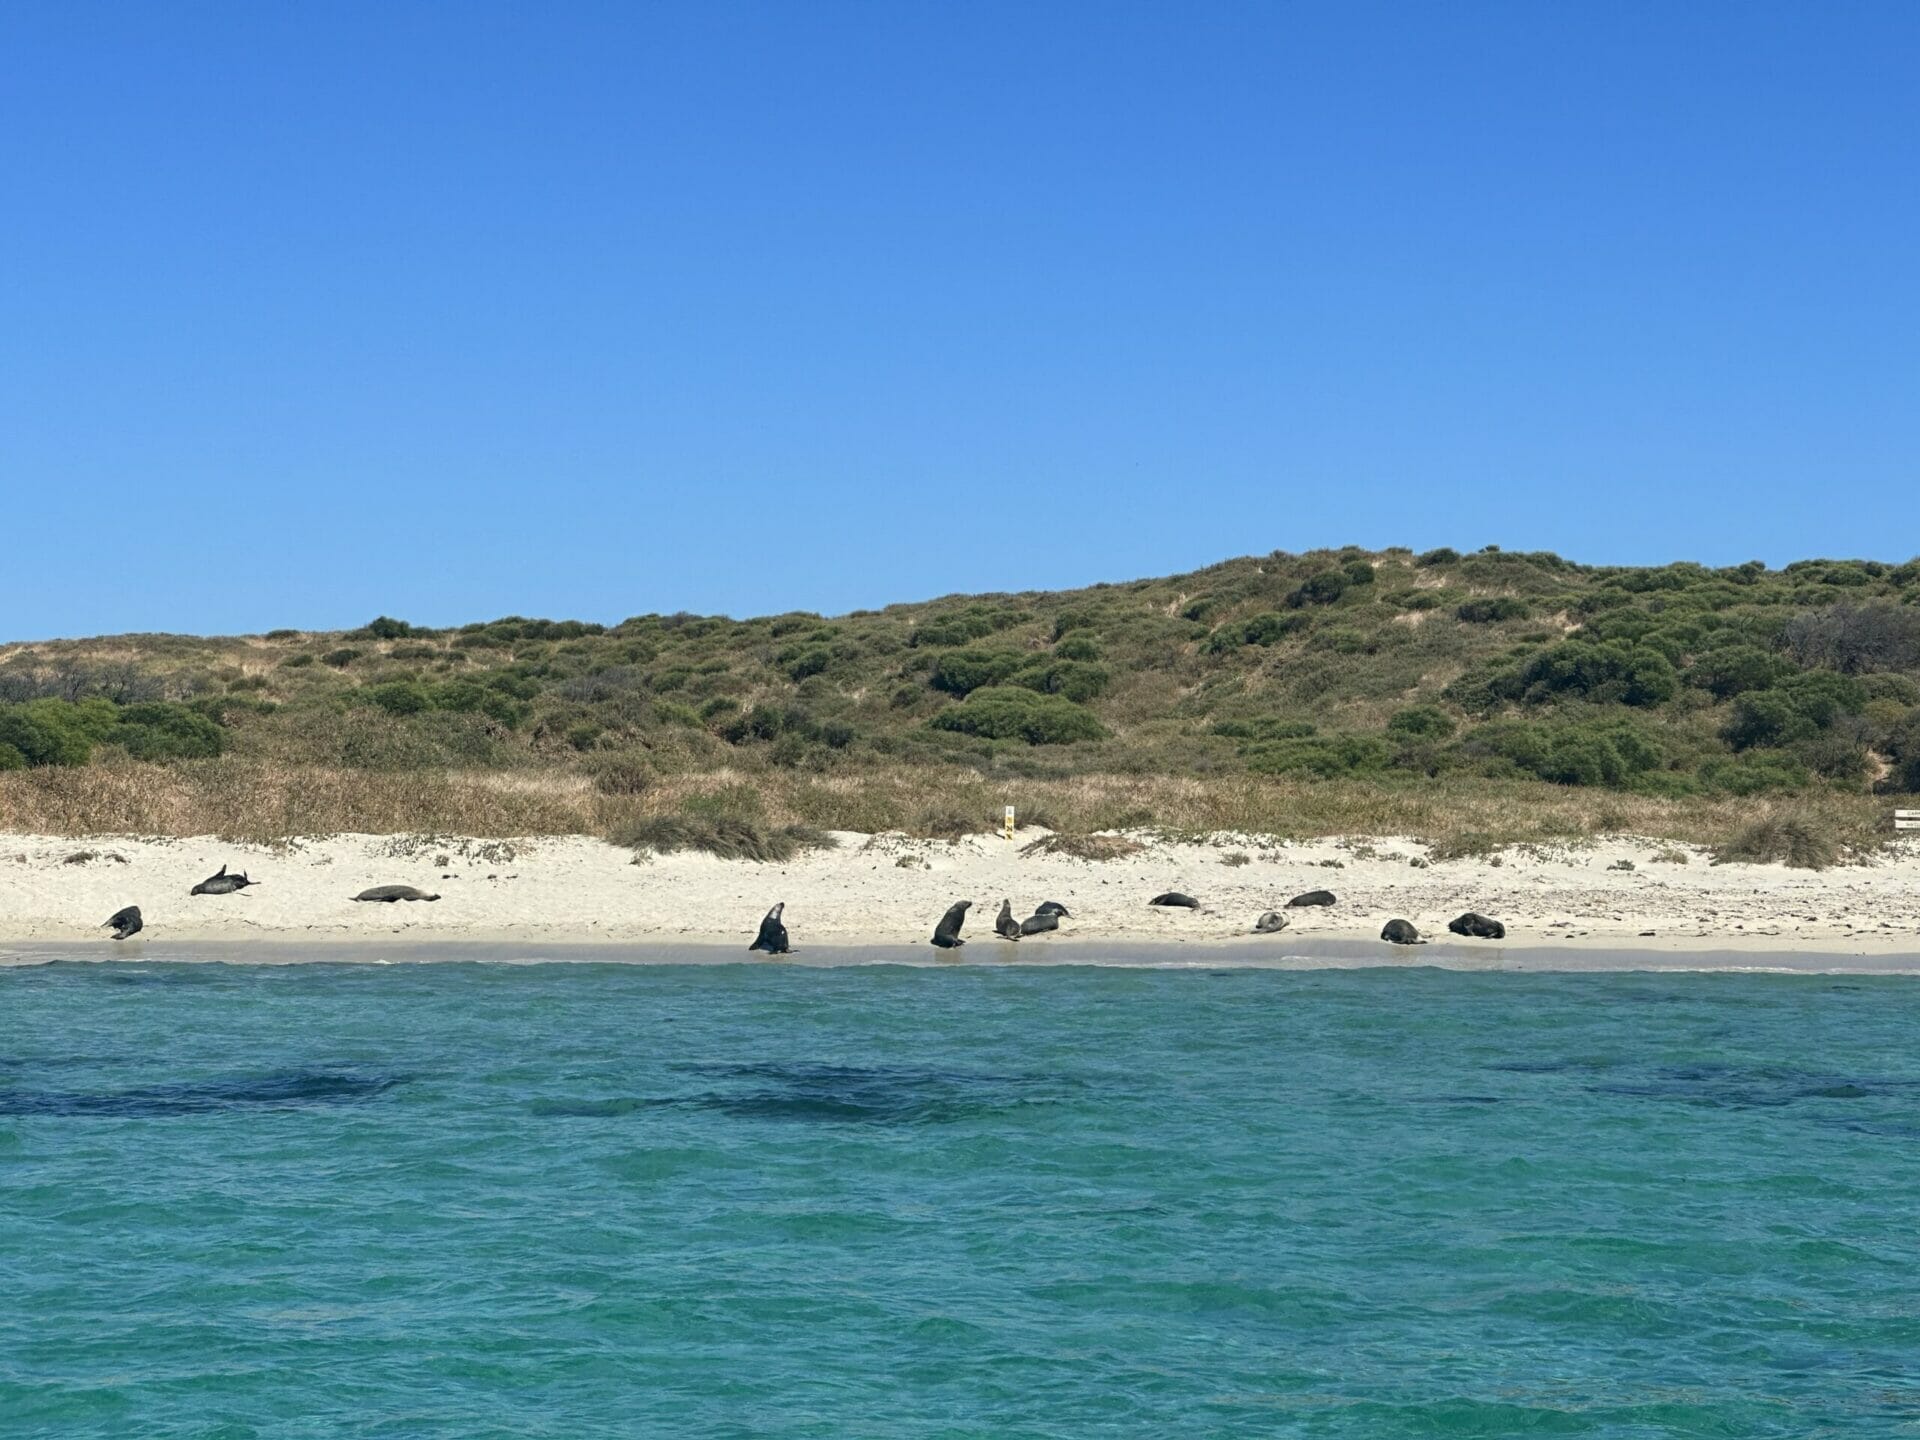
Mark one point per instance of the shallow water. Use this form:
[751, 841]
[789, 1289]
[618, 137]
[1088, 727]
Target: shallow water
[604, 1200]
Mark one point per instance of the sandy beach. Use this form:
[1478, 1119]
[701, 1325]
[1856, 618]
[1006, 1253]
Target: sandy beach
[1617, 902]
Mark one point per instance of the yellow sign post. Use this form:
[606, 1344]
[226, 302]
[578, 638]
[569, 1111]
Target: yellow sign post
[1009, 822]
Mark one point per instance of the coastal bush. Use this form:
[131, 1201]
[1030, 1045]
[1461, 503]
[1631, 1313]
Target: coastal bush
[1325, 757]
[1733, 669]
[1444, 555]
[1077, 680]
[1012, 713]
[1421, 722]
[1077, 647]
[961, 672]
[1322, 589]
[1496, 608]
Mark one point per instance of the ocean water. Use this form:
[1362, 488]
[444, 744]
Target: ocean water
[597, 1200]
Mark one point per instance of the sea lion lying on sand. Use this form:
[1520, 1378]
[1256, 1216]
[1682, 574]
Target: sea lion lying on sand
[1271, 923]
[391, 893]
[1052, 907]
[1312, 897]
[947, 933]
[1401, 932]
[1477, 927]
[222, 884]
[1040, 922]
[1175, 898]
[773, 935]
[124, 922]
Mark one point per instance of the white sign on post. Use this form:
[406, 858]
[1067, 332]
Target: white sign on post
[1906, 819]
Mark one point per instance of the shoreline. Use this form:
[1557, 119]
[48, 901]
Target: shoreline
[1332, 953]
[1614, 903]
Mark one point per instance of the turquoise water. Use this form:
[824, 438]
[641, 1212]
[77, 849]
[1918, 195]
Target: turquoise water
[590, 1200]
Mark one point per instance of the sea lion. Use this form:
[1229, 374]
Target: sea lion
[1004, 925]
[391, 893]
[1312, 897]
[1052, 907]
[947, 933]
[773, 935]
[1038, 923]
[1477, 927]
[124, 922]
[1271, 923]
[1175, 898]
[1401, 932]
[222, 884]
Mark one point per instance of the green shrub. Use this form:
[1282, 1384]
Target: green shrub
[1498, 607]
[1077, 647]
[1445, 555]
[961, 672]
[1267, 727]
[1421, 722]
[1602, 673]
[1798, 841]
[341, 658]
[1075, 679]
[1734, 669]
[1756, 772]
[160, 730]
[729, 837]
[1322, 589]
[1327, 758]
[808, 662]
[385, 628]
[1358, 572]
[11, 758]
[397, 697]
[296, 662]
[1012, 713]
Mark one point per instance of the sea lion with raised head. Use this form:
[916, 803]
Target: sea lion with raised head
[1477, 927]
[1039, 923]
[947, 933]
[1004, 925]
[222, 883]
[390, 893]
[124, 922]
[1174, 899]
[1312, 897]
[1271, 923]
[1052, 907]
[773, 934]
[1400, 932]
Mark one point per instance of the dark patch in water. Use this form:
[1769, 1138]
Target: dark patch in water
[1547, 1067]
[287, 1090]
[832, 1094]
[1752, 1087]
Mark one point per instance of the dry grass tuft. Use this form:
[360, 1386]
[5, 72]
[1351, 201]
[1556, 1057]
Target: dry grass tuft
[1792, 840]
[728, 837]
[1085, 847]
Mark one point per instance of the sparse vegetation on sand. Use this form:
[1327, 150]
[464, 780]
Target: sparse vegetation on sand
[1490, 695]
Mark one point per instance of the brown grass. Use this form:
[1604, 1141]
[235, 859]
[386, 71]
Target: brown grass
[1085, 847]
[262, 801]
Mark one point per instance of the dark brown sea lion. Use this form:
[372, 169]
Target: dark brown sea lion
[222, 884]
[1401, 932]
[947, 933]
[1175, 898]
[1040, 923]
[1271, 923]
[1477, 927]
[1004, 925]
[1312, 897]
[391, 893]
[125, 922]
[773, 934]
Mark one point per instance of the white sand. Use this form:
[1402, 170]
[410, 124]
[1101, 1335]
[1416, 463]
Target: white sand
[886, 892]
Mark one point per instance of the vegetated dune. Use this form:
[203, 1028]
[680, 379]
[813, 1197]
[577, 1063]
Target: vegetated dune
[1457, 697]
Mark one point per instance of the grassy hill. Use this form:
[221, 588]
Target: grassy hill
[1483, 694]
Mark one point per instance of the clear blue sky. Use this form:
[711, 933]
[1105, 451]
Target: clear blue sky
[314, 311]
